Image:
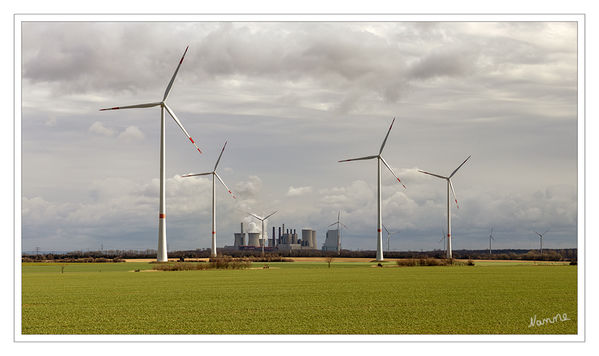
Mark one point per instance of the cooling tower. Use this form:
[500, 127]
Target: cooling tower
[254, 239]
[307, 237]
[239, 239]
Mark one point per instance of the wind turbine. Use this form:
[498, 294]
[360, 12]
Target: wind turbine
[162, 250]
[449, 186]
[541, 239]
[214, 174]
[491, 238]
[262, 231]
[379, 159]
[389, 237]
[443, 236]
[339, 224]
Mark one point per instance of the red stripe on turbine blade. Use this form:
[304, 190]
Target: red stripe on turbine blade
[162, 216]
[448, 235]
[184, 53]
[379, 230]
[213, 232]
[191, 139]
[199, 150]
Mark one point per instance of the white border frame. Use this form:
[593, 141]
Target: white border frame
[579, 18]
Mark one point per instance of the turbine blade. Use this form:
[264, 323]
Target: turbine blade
[385, 140]
[148, 105]
[460, 166]
[196, 174]
[545, 232]
[390, 170]
[227, 188]
[271, 214]
[256, 216]
[181, 126]
[384, 227]
[358, 159]
[432, 174]
[335, 223]
[453, 192]
[342, 224]
[219, 156]
[170, 84]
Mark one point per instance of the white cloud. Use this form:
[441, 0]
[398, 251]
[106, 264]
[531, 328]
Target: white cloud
[99, 128]
[294, 192]
[131, 133]
[249, 188]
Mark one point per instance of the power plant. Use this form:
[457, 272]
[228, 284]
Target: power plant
[286, 240]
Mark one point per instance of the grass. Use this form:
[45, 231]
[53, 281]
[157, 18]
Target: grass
[297, 298]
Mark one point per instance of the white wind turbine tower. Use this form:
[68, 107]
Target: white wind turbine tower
[491, 238]
[389, 233]
[214, 174]
[379, 159]
[162, 250]
[262, 229]
[541, 239]
[339, 224]
[449, 186]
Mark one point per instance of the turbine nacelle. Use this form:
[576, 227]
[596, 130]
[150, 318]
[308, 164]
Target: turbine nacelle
[162, 104]
[213, 172]
[379, 156]
[448, 179]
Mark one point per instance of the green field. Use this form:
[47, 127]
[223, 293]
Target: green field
[298, 298]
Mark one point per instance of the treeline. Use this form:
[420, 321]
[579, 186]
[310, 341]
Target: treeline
[506, 254]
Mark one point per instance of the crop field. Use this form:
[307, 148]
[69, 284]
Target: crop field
[301, 297]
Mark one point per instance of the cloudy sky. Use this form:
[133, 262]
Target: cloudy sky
[293, 98]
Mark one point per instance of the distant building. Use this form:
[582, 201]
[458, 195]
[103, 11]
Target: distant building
[332, 242]
[239, 238]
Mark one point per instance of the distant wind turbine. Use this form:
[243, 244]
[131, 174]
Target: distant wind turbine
[262, 231]
[541, 239]
[162, 249]
[491, 238]
[389, 233]
[214, 174]
[449, 186]
[379, 159]
[443, 236]
[339, 224]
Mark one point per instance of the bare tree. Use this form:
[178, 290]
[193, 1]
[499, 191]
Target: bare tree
[330, 259]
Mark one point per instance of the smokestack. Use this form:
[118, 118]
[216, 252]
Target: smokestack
[274, 240]
[242, 227]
